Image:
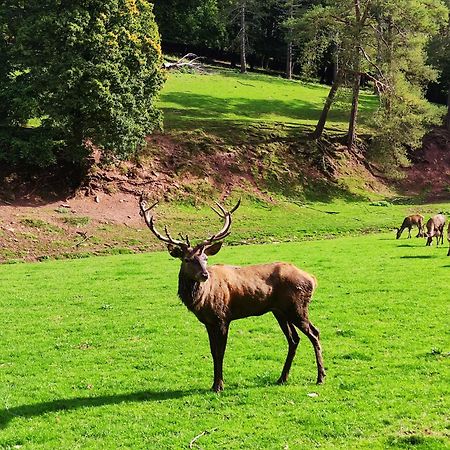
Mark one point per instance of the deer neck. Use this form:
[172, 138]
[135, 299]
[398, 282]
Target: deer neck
[188, 290]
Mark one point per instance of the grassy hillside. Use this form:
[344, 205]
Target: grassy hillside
[221, 99]
[49, 232]
[100, 353]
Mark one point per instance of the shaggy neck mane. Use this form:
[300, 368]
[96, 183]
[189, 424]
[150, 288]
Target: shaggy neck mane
[187, 289]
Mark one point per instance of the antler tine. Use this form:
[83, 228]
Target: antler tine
[149, 220]
[186, 238]
[225, 231]
[223, 213]
[236, 206]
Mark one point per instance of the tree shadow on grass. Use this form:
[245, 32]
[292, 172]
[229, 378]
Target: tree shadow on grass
[197, 107]
[69, 404]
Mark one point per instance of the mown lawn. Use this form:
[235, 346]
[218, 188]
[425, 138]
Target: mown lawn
[100, 353]
[226, 98]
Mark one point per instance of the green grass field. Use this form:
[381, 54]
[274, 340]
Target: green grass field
[227, 98]
[100, 353]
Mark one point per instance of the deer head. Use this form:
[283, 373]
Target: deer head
[193, 258]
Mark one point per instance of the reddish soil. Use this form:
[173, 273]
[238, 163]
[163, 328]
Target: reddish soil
[429, 175]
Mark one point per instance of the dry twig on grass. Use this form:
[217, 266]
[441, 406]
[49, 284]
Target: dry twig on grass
[191, 444]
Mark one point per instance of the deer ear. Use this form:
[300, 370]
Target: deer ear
[213, 249]
[175, 251]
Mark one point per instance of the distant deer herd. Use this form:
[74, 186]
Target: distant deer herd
[434, 228]
[219, 294]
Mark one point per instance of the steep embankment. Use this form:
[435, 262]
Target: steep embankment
[280, 175]
[429, 175]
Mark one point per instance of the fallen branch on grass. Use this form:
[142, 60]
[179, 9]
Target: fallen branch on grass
[191, 444]
[189, 60]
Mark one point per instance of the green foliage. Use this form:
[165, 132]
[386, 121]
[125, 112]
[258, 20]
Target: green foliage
[193, 22]
[385, 40]
[403, 30]
[109, 357]
[402, 128]
[90, 71]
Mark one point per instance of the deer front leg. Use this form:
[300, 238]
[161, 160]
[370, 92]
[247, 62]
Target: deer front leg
[218, 335]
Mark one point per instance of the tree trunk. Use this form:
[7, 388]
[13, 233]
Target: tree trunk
[243, 39]
[354, 111]
[326, 107]
[289, 61]
[448, 109]
[289, 45]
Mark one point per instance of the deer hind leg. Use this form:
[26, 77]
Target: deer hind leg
[218, 335]
[419, 230]
[293, 340]
[313, 335]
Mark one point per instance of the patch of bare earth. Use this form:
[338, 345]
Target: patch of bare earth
[102, 215]
[429, 175]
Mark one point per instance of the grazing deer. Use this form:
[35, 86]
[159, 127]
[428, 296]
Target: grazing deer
[219, 294]
[435, 228]
[409, 222]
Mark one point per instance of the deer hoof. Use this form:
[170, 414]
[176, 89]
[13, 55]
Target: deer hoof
[282, 380]
[217, 387]
[320, 379]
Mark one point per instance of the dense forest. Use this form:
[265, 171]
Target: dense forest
[76, 75]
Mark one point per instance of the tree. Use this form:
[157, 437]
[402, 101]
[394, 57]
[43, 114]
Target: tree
[90, 71]
[382, 40]
[192, 22]
[439, 56]
[244, 16]
[403, 30]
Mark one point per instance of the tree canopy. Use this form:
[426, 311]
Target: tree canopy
[87, 72]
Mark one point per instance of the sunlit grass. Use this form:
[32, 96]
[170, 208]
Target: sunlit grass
[100, 353]
[229, 97]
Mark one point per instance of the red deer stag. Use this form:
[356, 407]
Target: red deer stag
[219, 294]
[435, 228]
[409, 222]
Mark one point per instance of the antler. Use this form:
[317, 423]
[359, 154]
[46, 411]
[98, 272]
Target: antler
[168, 239]
[224, 232]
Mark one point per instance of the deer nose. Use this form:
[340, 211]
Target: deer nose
[204, 276]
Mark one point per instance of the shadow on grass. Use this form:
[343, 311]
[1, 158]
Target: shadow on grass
[196, 107]
[192, 106]
[27, 411]
[417, 257]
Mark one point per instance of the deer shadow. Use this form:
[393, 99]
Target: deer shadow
[417, 257]
[70, 404]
